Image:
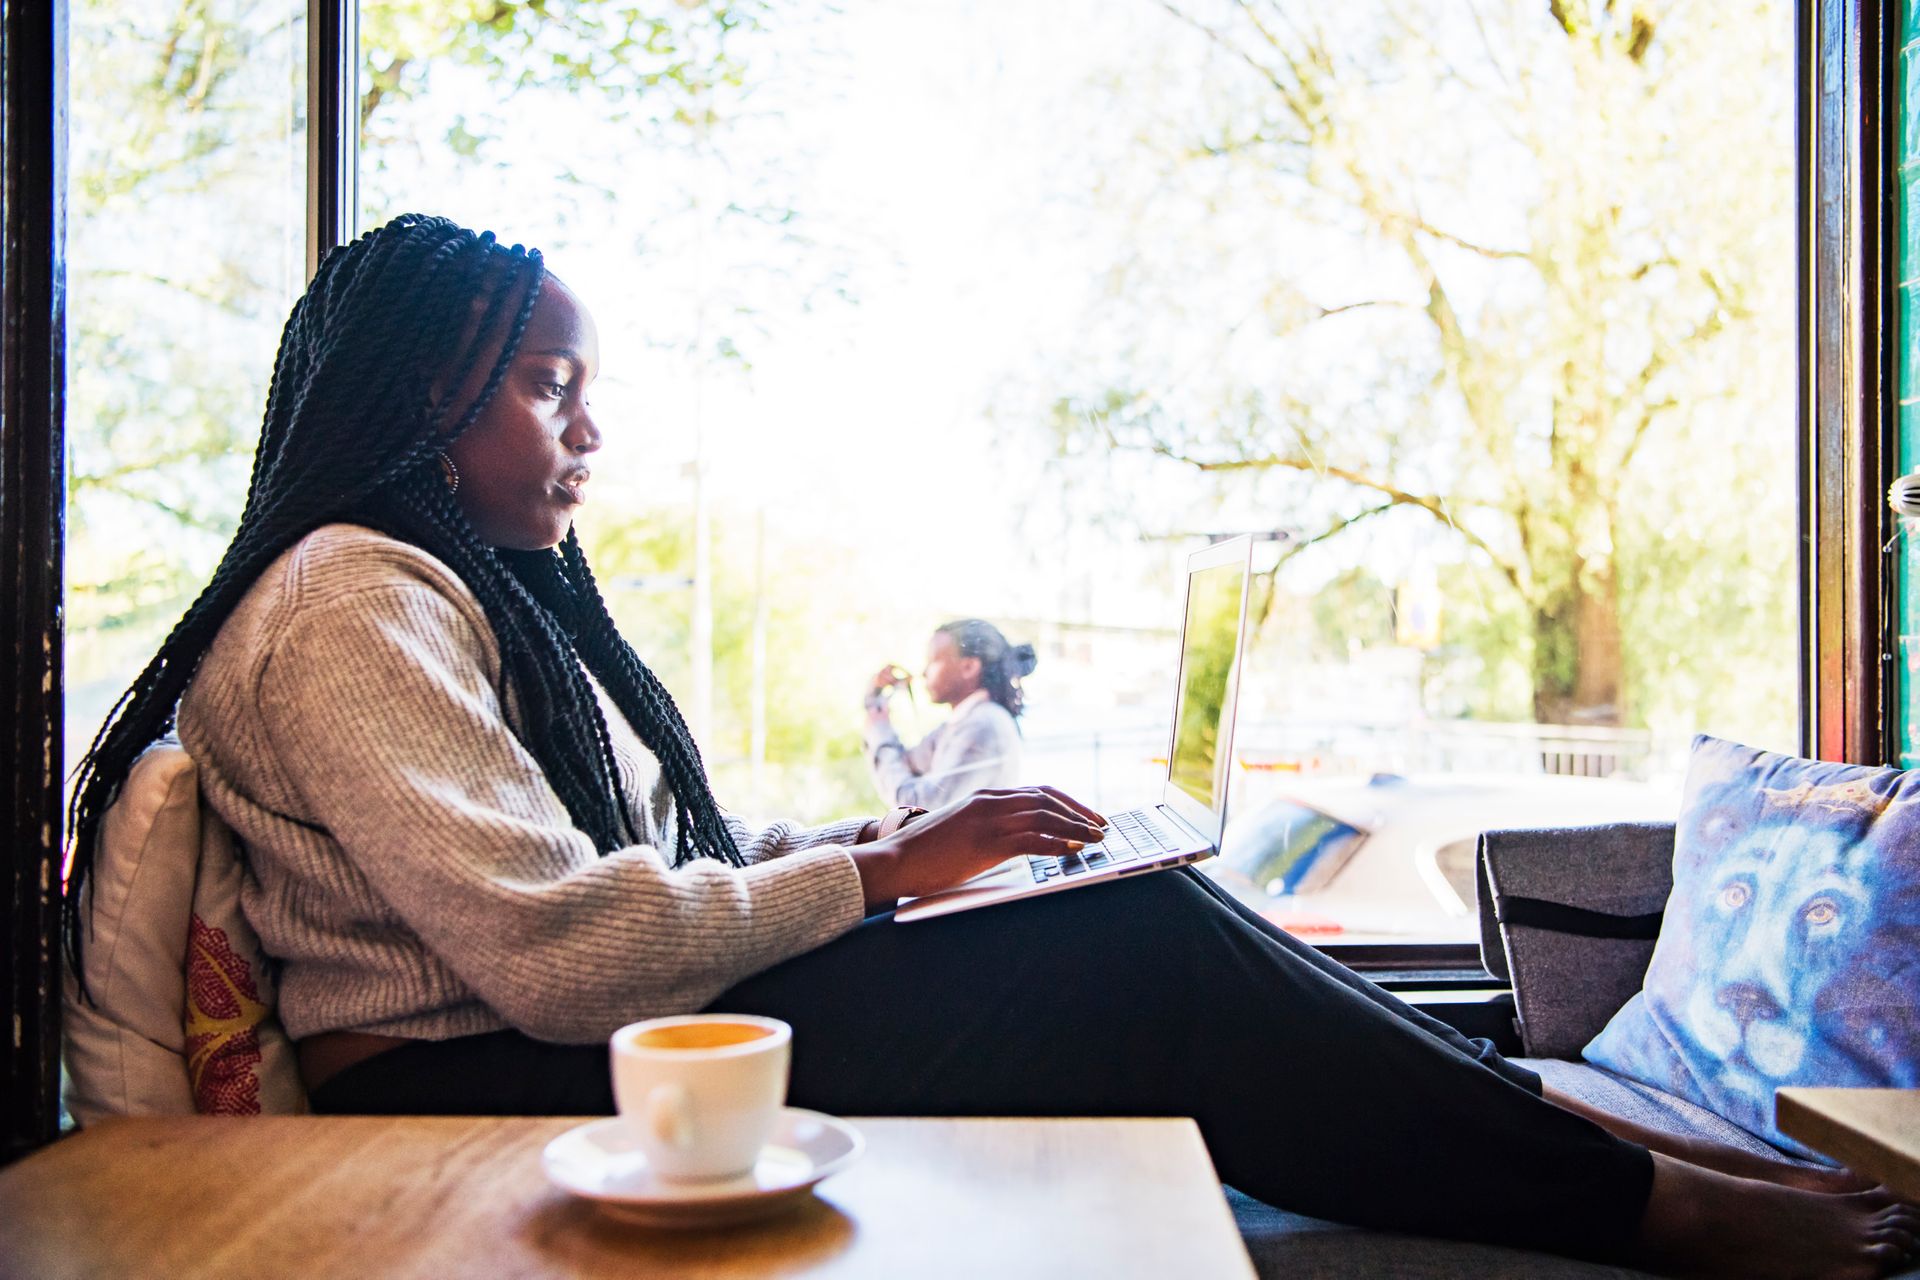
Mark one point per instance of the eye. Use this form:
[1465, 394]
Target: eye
[554, 390]
[1820, 911]
[1734, 896]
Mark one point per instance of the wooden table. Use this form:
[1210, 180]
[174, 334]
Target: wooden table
[433, 1196]
[1872, 1131]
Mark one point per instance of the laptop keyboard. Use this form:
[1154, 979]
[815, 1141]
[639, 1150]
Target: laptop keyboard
[1131, 836]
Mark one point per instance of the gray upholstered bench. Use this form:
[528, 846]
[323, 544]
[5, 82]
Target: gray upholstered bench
[1581, 908]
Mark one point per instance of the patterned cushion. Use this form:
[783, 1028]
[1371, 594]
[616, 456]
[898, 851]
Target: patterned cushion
[239, 1061]
[180, 1015]
[1786, 953]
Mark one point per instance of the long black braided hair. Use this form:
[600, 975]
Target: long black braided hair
[352, 432]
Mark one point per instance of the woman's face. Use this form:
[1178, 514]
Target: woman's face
[949, 677]
[523, 463]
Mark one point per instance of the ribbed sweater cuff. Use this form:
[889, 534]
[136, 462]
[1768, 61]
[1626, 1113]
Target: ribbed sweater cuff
[826, 882]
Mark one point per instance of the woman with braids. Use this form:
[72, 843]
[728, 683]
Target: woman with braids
[971, 668]
[478, 839]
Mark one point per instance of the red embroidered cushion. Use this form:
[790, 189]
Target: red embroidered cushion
[181, 1015]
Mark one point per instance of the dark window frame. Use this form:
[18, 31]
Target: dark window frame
[32, 533]
[1846, 113]
[1848, 129]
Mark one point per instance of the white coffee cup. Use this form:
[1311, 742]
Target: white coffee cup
[701, 1092]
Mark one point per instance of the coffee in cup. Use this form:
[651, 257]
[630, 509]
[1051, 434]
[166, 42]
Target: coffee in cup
[701, 1092]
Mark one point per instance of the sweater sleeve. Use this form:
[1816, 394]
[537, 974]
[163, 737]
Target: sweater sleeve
[380, 703]
[782, 838]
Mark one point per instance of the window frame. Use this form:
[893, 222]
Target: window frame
[1845, 138]
[32, 533]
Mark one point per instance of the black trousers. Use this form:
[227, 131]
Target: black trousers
[1315, 1090]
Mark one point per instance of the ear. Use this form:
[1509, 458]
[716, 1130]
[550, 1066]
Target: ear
[971, 668]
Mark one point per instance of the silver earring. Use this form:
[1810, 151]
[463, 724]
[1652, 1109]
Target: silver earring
[449, 472]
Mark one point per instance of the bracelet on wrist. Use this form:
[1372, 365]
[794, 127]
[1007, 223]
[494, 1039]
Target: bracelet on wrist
[894, 819]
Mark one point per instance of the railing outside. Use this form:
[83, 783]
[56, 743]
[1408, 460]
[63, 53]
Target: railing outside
[1125, 763]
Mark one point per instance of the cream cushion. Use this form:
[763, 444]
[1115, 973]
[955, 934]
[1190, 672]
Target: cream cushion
[181, 1012]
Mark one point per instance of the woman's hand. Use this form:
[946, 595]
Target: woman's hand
[885, 680]
[962, 840]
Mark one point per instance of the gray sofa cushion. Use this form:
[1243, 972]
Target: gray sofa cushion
[1300, 1248]
[1567, 983]
[1643, 1104]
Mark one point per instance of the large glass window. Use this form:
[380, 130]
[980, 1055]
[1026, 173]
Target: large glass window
[186, 247]
[1478, 316]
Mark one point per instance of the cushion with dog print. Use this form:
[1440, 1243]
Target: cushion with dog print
[1790, 949]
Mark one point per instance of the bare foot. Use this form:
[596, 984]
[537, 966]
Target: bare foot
[1700, 1222]
[1744, 1164]
[1716, 1155]
[1833, 1182]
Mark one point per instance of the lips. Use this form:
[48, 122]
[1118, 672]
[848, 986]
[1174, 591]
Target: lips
[574, 485]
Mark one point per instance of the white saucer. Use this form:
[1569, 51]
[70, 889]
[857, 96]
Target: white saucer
[601, 1161]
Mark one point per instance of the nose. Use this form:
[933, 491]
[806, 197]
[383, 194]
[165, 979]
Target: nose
[582, 434]
[1747, 1002]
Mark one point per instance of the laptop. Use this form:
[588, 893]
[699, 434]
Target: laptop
[1185, 825]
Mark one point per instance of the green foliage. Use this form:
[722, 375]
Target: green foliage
[1498, 271]
[184, 249]
[812, 726]
[187, 240]
[1353, 611]
[1524, 281]
[661, 63]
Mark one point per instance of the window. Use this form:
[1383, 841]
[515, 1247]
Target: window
[186, 235]
[1479, 319]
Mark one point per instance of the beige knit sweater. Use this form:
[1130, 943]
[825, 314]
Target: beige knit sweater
[407, 860]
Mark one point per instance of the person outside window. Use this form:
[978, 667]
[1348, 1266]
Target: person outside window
[972, 669]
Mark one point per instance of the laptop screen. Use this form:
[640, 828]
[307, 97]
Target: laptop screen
[1208, 644]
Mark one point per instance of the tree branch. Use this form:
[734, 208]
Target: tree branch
[380, 83]
[1434, 506]
[1324, 312]
[1331, 531]
[1461, 242]
[1656, 364]
[1287, 92]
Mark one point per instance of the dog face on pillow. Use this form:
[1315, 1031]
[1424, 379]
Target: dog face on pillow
[1775, 932]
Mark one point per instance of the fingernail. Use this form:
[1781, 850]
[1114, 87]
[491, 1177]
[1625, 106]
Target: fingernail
[1076, 845]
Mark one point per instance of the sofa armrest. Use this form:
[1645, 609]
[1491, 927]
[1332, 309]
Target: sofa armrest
[1569, 916]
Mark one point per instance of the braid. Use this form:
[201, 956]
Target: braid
[647, 705]
[351, 429]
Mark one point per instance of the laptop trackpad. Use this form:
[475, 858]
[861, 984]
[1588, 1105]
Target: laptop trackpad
[1015, 866]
